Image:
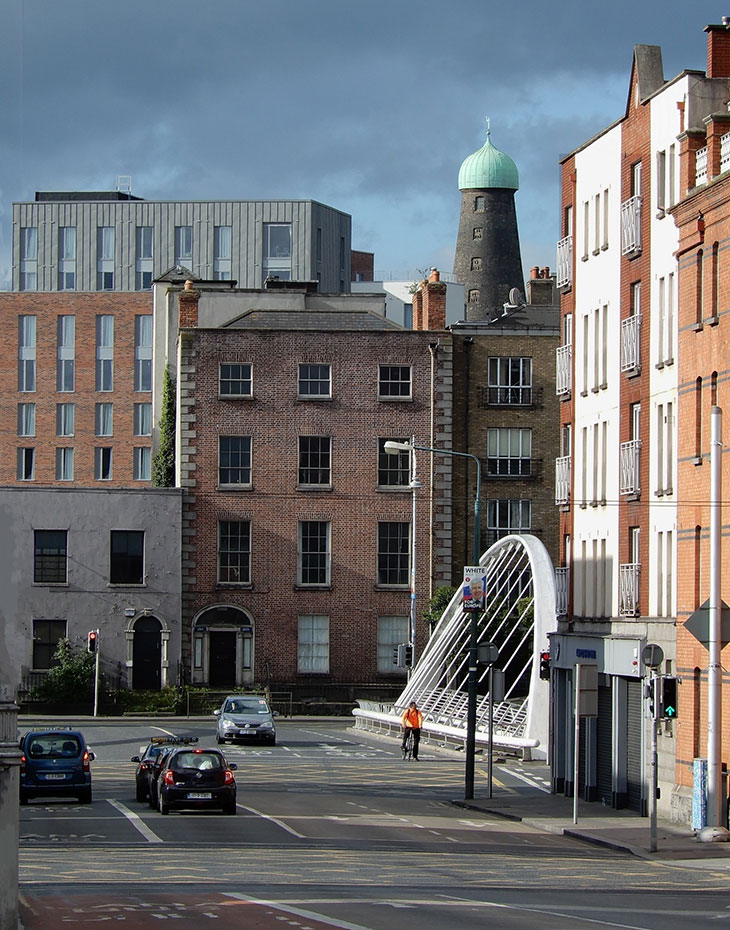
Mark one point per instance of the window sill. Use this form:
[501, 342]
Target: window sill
[661, 213]
[234, 487]
[392, 400]
[604, 247]
[659, 366]
[126, 584]
[235, 397]
[236, 585]
[584, 393]
[392, 587]
[696, 327]
[308, 398]
[595, 389]
[393, 488]
[314, 487]
[50, 584]
[326, 586]
[697, 460]
[584, 258]
[713, 320]
[596, 251]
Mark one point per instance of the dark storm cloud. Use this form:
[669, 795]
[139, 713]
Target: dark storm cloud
[368, 106]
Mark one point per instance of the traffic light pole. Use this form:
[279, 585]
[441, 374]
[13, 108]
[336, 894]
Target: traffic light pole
[653, 759]
[96, 676]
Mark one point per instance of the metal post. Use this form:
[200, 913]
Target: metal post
[576, 745]
[715, 819]
[653, 760]
[96, 675]
[491, 730]
[415, 484]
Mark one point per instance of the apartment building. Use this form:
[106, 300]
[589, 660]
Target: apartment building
[114, 241]
[297, 525]
[618, 377]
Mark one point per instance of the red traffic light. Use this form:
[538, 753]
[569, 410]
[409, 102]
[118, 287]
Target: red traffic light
[91, 640]
[545, 666]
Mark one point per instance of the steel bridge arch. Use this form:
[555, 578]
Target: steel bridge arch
[520, 613]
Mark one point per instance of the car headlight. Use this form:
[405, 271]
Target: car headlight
[267, 726]
[228, 725]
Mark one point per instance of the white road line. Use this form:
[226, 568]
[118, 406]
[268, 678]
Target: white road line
[527, 780]
[299, 912]
[136, 821]
[278, 823]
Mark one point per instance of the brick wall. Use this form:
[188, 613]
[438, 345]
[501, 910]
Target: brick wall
[47, 307]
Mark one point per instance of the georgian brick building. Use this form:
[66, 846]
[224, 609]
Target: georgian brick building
[296, 523]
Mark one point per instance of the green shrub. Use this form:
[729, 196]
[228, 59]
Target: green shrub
[164, 701]
[70, 679]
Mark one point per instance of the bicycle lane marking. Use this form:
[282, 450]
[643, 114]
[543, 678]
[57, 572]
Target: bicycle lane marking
[136, 821]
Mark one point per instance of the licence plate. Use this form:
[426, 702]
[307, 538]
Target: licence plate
[55, 776]
[199, 796]
[247, 732]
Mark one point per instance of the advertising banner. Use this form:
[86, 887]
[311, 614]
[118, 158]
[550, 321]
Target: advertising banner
[474, 588]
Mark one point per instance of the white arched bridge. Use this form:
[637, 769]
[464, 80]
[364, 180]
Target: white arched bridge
[520, 612]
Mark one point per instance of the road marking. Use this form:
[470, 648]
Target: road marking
[136, 821]
[528, 780]
[297, 911]
[278, 823]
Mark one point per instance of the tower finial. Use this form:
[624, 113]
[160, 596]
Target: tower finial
[489, 127]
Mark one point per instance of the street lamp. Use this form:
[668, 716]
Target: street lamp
[393, 448]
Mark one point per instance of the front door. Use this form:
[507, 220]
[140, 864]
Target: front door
[222, 659]
[147, 655]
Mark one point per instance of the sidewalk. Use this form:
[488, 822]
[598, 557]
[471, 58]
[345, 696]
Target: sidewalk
[604, 826]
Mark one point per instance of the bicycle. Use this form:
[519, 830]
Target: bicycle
[407, 747]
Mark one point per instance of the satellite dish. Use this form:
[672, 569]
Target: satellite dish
[515, 297]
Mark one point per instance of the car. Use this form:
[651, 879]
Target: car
[153, 772]
[198, 779]
[245, 717]
[146, 759]
[55, 762]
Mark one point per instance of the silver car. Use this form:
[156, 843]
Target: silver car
[245, 717]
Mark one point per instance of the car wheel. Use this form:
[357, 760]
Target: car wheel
[152, 799]
[230, 807]
[141, 793]
[273, 741]
[85, 796]
[163, 806]
[23, 798]
[219, 740]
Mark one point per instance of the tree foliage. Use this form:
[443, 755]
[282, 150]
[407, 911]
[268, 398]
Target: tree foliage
[70, 679]
[163, 466]
[437, 605]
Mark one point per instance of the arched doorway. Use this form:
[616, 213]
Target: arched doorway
[147, 654]
[223, 647]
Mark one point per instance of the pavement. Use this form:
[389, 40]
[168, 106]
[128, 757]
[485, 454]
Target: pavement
[603, 826]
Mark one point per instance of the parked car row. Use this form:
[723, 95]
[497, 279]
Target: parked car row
[172, 771]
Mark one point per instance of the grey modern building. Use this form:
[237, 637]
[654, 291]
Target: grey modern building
[80, 559]
[112, 240]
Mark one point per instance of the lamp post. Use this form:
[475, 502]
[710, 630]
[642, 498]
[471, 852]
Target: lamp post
[393, 448]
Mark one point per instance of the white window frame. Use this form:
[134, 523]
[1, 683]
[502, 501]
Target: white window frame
[313, 644]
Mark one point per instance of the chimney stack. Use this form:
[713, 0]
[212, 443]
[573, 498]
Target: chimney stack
[188, 305]
[718, 49]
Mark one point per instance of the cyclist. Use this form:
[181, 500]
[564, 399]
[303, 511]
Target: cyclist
[412, 721]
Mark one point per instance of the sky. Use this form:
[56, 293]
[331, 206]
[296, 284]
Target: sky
[369, 106]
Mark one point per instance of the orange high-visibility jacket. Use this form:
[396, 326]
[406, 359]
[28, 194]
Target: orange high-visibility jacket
[412, 718]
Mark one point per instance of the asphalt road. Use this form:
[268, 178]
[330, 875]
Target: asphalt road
[333, 829]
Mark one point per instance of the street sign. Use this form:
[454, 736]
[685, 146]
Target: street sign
[487, 653]
[652, 655]
[698, 624]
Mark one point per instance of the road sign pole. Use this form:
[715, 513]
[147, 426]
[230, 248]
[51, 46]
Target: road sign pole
[576, 744]
[491, 729]
[96, 676]
[653, 766]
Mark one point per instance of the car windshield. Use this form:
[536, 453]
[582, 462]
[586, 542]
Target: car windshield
[198, 760]
[240, 706]
[54, 746]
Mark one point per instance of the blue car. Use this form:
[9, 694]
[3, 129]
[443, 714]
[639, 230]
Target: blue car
[55, 763]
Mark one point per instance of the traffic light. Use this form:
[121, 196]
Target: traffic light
[403, 655]
[668, 702]
[408, 656]
[545, 666]
[396, 655]
[92, 640]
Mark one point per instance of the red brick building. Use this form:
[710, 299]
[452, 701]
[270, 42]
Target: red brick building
[76, 389]
[296, 523]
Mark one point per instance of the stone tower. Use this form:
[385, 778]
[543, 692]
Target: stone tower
[487, 260]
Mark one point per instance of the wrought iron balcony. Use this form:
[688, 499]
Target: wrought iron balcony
[629, 465]
[563, 370]
[631, 225]
[725, 152]
[511, 396]
[564, 277]
[562, 591]
[629, 589]
[631, 344]
[562, 480]
[701, 166]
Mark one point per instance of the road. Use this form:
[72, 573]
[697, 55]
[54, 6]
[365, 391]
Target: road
[333, 830]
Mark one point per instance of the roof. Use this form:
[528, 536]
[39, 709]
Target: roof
[319, 319]
[488, 168]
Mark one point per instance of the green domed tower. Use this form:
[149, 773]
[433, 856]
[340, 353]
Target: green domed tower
[487, 260]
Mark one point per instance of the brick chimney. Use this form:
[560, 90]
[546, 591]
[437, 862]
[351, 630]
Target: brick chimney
[188, 305]
[718, 49]
[429, 303]
[541, 288]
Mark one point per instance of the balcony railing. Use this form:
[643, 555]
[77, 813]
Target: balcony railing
[564, 276]
[631, 225]
[629, 463]
[631, 343]
[629, 589]
[701, 166]
[506, 396]
[725, 152]
[562, 591]
[562, 480]
[564, 370]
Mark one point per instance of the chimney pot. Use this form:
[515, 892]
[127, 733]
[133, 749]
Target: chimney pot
[534, 272]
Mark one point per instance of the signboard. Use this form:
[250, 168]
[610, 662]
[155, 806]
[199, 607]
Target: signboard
[474, 588]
